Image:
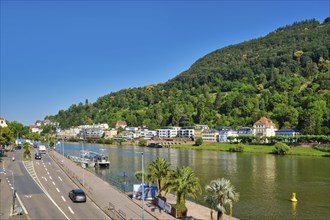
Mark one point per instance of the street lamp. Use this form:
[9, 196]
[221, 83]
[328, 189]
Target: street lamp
[142, 217]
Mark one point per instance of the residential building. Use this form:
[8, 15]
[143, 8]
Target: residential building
[187, 132]
[34, 129]
[264, 127]
[3, 123]
[224, 133]
[244, 131]
[288, 132]
[121, 124]
[92, 133]
[148, 134]
[210, 135]
[109, 134]
[168, 132]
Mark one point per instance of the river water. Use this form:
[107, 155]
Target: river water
[265, 182]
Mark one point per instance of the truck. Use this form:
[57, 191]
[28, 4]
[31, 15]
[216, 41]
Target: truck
[42, 149]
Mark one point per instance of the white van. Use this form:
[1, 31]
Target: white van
[42, 149]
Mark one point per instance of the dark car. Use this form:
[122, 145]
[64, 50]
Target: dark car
[37, 156]
[77, 195]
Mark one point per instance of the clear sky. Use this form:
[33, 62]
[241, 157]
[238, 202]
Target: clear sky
[58, 53]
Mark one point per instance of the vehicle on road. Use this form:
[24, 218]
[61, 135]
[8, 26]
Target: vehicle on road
[37, 156]
[42, 149]
[77, 195]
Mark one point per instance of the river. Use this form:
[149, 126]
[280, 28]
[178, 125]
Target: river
[265, 182]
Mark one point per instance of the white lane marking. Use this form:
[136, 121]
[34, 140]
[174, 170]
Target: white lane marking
[70, 210]
[12, 187]
[57, 189]
[53, 183]
[63, 198]
[22, 204]
[50, 177]
[60, 179]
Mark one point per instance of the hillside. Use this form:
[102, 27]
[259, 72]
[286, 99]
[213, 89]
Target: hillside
[284, 76]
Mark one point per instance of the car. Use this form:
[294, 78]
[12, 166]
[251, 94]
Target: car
[77, 195]
[37, 156]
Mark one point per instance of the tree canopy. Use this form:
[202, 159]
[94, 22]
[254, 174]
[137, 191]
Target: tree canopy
[283, 76]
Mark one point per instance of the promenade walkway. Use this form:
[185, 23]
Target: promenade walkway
[119, 205]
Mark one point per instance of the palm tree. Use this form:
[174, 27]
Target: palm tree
[184, 182]
[158, 170]
[221, 192]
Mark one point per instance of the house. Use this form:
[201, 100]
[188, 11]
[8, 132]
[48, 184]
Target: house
[121, 124]
[35, 129]
[288, 132]
[92, 133]
[3, 123]
[210, 135]
[109, 134]
[244, 131]
[147, 134]
[264, 127]
[187, 132]
[224, 133]
[167, 132]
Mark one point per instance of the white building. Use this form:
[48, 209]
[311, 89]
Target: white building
[3, 123]
[187, 132]
[168, 132]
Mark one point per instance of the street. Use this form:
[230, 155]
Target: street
[43, 189]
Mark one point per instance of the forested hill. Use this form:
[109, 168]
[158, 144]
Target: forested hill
[284, 76]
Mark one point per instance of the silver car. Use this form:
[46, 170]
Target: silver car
[77, 195]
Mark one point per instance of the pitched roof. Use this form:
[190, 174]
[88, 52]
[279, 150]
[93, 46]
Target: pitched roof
[265, 121]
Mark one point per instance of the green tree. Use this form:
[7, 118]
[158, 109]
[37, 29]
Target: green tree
[220, 193]
[158, 171]
[143, 142]
[6, 136]
[27, 151]
[184, 182]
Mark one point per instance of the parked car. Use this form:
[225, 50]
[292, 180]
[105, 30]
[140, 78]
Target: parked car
[77, 195]
[37, 156]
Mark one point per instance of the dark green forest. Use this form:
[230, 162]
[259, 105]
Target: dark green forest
[284, 76]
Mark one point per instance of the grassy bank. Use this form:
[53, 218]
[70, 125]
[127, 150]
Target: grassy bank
[266, 149]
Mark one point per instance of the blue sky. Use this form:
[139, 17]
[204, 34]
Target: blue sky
[58, 53]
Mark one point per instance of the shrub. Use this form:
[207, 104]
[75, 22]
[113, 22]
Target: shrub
[281, 149]
[237, 148]
[198, 142]
[143, 142]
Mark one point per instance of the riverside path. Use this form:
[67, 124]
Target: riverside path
[118, 205]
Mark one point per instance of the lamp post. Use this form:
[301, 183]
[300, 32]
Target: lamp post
[142, 166]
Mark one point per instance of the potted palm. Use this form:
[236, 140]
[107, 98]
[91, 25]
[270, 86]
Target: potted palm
[184, 182]
[220, 193]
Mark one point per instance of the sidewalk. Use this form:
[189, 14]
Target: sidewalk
[119, 205]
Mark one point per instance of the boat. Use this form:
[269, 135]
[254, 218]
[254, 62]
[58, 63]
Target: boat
[154, 145]
[99, 159]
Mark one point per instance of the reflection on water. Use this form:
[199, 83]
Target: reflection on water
[265, 182]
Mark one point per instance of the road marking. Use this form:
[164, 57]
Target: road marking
[12, 187]
[46, 169]
[48, 173]
[50, 177]
[22, 203]
[60, 179]
[70, 210]
[53, 183]
[57, 189]
[63, 198]
[49, 163]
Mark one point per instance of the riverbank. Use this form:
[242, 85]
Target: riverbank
[265, 149]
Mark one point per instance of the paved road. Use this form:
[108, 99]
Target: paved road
[42, 191]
